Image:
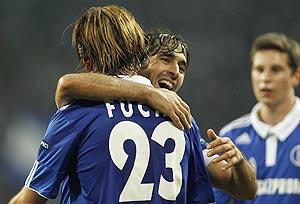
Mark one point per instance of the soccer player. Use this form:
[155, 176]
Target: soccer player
[162, 69]
[115, 152]
[269, 136]
[168, 63]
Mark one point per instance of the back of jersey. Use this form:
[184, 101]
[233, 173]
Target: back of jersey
[128, 153]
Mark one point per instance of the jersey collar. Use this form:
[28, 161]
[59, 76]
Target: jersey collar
[281, 130]
[136, 78]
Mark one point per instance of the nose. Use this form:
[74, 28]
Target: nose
[174, 71]
[266, 76]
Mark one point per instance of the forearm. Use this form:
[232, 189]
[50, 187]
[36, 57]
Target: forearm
[27, 196]
[91, 86]
[244, 184]
[99, 87]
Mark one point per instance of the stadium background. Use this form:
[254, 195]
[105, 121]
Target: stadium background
[33, 57]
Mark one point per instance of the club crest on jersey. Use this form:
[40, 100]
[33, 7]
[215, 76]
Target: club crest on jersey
[44, 144]
[295, 155]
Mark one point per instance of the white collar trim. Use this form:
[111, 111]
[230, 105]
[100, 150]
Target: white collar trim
[137, 79]
[282, 129]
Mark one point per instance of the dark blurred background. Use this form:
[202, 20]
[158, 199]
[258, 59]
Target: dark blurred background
[34, 54]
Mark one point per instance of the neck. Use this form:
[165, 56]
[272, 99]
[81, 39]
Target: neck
[273, 114]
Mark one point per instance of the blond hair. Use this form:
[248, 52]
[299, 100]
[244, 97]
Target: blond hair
[111, 39]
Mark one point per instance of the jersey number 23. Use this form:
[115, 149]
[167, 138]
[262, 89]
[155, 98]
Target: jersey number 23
[134, 189]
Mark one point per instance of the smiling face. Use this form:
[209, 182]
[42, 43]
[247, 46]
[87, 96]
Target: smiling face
[166, 69]
[272, 79]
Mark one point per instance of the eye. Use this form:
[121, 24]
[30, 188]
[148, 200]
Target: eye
[277, 69]
[259, 69]
[165, 59]
[182, 69]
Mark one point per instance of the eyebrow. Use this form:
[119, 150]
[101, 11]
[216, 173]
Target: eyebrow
[172, 55]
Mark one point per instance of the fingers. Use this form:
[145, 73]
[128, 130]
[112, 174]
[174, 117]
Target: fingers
[180, 113]
[180, 118]
[217, 141]
[220, 149]
[187, 112]
[211, 134]
[221, 144]
[176, 120]
[169, 103]
[230, 164]
[184, 114]
[225, 156]
[225, 149]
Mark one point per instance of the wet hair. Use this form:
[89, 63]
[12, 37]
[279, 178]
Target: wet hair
[280, 42]
[164, 41]
[110, 39]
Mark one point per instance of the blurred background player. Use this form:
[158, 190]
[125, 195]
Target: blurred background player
[168, 63]
[115, 152]
[270, 135]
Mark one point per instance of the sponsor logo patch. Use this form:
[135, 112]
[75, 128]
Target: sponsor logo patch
[44, 144]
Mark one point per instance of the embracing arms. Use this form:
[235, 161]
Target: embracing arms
[238, 178]
[100, 87]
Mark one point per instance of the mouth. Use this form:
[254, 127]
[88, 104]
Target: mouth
[266, 91]
[164, 83]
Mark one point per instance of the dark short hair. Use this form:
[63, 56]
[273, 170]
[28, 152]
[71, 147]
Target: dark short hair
[163, 41]
[280, 42]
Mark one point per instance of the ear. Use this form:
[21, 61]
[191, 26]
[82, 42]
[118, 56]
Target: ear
[296, 78]
[87, 65]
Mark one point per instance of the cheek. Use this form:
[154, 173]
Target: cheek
[254, 81]
[180, 82]
[284, 82]
[285, 85]
[154, 79]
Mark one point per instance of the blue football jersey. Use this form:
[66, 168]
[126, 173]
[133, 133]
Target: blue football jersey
[274, 151]
[120, 152]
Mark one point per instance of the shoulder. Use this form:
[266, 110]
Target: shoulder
[236, 124]
[81, 109]
[81, 105]
[76, 116]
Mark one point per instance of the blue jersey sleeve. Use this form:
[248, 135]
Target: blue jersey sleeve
[54, 157]
[200, 188]
[221, 197]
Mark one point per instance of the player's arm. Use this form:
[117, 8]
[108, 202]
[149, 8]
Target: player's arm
[27, 196]
[94, 86]
[230, 171]
[52, 163]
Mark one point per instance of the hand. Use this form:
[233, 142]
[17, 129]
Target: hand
[170, 104]
[224, 147]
